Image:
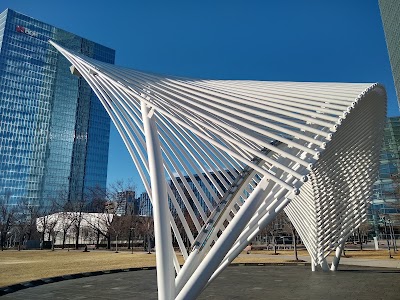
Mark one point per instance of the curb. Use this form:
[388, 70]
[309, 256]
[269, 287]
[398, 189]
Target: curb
[4, 290]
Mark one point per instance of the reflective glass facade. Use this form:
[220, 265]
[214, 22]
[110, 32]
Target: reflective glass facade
[390, 13]
[386, 197]
[146, 208]
[54, 132]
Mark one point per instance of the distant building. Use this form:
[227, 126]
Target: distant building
[144, 205]
[127, 204]
[386, 196]
[146, 208]
[54, 132]
[60, 226]
[195, 189]
[390, 13]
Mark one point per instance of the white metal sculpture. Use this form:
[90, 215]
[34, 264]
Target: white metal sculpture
[235, 154]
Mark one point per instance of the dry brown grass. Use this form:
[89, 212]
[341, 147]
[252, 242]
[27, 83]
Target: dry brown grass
[368, 254]
[21, 266]
[264, 256]
[372, 254]
[35, 264]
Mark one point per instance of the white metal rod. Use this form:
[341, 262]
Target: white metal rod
[162, 231]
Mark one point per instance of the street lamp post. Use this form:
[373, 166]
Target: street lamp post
[392, 235]
[131, 229]
[387, 238]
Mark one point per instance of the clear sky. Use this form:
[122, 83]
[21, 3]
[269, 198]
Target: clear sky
[291, 40]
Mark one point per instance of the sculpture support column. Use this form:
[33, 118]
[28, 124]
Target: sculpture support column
[312, 265]
[324, 265]
[210, 263]
[338, 254]
[162, 228]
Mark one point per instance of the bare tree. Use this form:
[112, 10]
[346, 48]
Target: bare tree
[105, 210]
[147, 230]
[102, 223]
[273, 229]
[363, 231]
[47, 220]
[117, 226]
[120, 193]
[119, 201]
[107, 204]
[53, 226]
[66, 225]
[132, 219]
[65, 217]
[76, 209]
[133, 222]
[26, 221]
[7, 217]
[288, 227]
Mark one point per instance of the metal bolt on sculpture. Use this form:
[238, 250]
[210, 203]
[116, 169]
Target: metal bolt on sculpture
[236, 153]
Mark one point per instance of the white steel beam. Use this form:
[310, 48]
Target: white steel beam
[162, 231]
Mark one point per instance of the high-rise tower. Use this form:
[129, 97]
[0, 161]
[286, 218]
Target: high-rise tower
[54, 132]
[390, 13]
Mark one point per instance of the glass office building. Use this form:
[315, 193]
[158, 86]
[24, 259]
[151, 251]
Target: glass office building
[390, 13]
[386, 196]
[145, 207]
[54, 132]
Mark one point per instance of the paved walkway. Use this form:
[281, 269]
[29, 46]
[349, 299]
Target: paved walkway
[366, 262]
[236, 282]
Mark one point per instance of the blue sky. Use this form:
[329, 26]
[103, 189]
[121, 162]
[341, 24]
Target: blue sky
[310, 40]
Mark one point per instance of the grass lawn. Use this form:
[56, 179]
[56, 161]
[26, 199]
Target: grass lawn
[21, 266]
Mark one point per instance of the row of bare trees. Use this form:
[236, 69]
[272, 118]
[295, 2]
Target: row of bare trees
[282, 227]
[95, 218]
[17, 221]
[99, 217]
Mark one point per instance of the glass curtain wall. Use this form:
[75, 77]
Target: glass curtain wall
[54, 133]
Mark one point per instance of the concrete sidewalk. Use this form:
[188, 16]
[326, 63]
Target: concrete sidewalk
[364, 262]
[381, 263]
